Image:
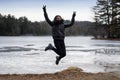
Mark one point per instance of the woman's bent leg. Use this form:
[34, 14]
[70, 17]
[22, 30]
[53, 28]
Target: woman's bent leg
[60, 49]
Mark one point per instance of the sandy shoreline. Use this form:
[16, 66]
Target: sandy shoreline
[71, 73]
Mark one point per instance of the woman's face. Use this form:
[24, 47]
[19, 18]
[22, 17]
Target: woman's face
[58, 18]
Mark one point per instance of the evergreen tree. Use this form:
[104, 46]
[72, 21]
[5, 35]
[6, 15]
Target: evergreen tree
[107, 14]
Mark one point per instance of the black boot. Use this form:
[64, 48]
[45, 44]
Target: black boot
[57, 60]
[49, 47]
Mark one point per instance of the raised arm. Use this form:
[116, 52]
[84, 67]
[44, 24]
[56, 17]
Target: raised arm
[72, 20]
[46, 16]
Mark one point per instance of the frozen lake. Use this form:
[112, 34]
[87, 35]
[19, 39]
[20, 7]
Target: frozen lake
[25, 54]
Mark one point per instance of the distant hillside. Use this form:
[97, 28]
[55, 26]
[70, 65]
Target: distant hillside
[80, 28]
[11, 26]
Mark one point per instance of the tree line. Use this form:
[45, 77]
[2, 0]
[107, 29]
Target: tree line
[107, 18]
[11, 26]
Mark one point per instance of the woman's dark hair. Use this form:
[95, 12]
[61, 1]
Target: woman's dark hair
[58, 22]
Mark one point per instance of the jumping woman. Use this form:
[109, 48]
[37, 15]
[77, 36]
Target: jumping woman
[58, 34]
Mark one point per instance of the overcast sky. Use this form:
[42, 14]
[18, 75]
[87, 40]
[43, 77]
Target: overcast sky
[32, 9]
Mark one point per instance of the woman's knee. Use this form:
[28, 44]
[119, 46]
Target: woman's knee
[63, 55]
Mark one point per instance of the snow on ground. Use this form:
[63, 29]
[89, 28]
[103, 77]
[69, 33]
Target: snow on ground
[26, 55]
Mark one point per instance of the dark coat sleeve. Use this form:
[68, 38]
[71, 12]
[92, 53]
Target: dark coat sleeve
[72, 22]
[47, 18]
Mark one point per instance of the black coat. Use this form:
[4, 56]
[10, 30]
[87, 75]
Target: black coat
[58, 30]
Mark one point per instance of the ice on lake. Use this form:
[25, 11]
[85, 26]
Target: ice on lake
[25, 54]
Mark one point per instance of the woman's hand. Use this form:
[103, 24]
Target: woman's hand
[44, 7]
[74, 14]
